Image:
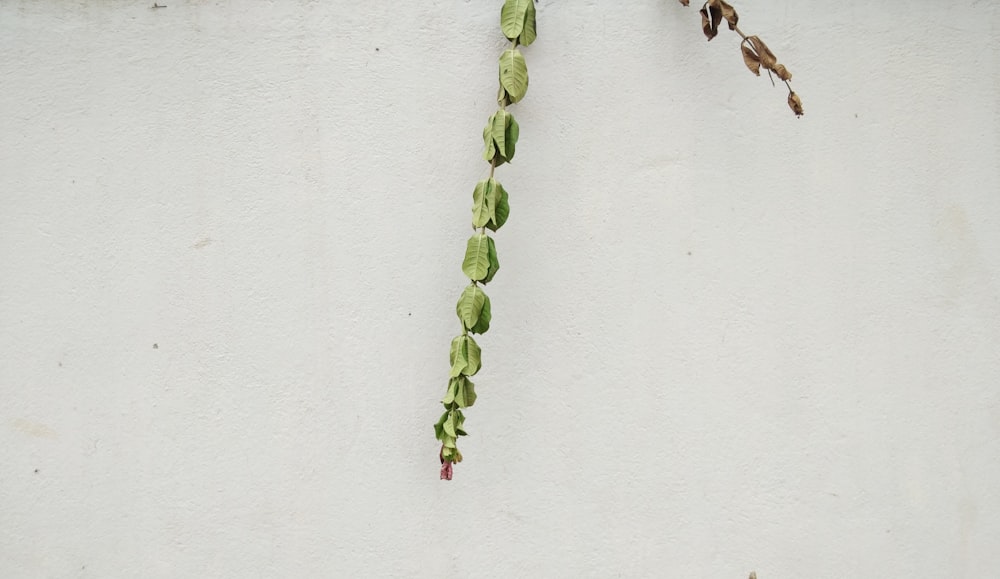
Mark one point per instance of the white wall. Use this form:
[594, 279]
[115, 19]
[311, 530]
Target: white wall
[724, 339]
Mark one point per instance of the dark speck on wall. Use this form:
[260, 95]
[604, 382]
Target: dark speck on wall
[156, 346]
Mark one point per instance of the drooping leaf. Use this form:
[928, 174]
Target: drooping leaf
[452, 392]
[466, 396]
[492, 196]
[459, 423]
[513, 130]
[494, 262]
[477, 257]
[439, 426]
[750, 58]
[449, 425]
[711, 16]
[482, 206]
[795, 103]
[529, 32]
[513, 74]
[459, 356]
[482, 324]
[517, 20]
[502, 210]
[490, 150]
[512, 17]
[474, 355]
[764, 54]
[782, 72]
[498, 128]
[732, 18]
[470, 306]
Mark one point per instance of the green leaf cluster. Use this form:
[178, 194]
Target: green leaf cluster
[517, 21]
[461, 392]
[473, 309]
[490, 206]
[448, 428]
[500, 137]
[480, 262]
[465, 356]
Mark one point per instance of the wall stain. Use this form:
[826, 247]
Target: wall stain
[35, 429]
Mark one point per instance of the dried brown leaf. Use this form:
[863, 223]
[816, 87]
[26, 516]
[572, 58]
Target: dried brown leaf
[782, 72]
[729, 14]
[685, 2]
[795, 103]
[711, 16]
[767, 58]
[750, 58]
[706, 24]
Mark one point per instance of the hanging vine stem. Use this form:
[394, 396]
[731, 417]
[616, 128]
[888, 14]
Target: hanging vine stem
[755, 53]
[490, 209]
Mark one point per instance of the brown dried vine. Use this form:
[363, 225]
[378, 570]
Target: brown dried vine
[756, 54]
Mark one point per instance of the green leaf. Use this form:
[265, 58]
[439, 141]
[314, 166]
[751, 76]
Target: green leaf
[510, 137]
[439, 426]
[494, 262]
[499, 123]
[449, 425]
[459, 358]
[529, 33]
[517, 20]
[513, 74]
[452, 392]
[512, 17]
[490, 151]
[476, 264]
[485, 315]
[466, 357]
[474, 356]
[459, 423]
[482, 206]
[466, 396]
[501, 210]
[470, 306]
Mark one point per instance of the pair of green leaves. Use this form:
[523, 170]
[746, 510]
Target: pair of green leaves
[480, 262]
[473, 309]
[500, 137]
[448, 428]
[461, 391]
[517, 21]
[490, 207]
[465, 356]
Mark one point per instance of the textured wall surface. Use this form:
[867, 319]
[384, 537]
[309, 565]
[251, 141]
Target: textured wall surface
[724, 338]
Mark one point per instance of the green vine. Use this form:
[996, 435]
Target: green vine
[490, 206]
[490, 209]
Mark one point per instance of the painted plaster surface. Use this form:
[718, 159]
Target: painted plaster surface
[724, 339]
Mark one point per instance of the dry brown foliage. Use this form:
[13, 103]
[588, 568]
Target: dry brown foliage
[756, 54]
